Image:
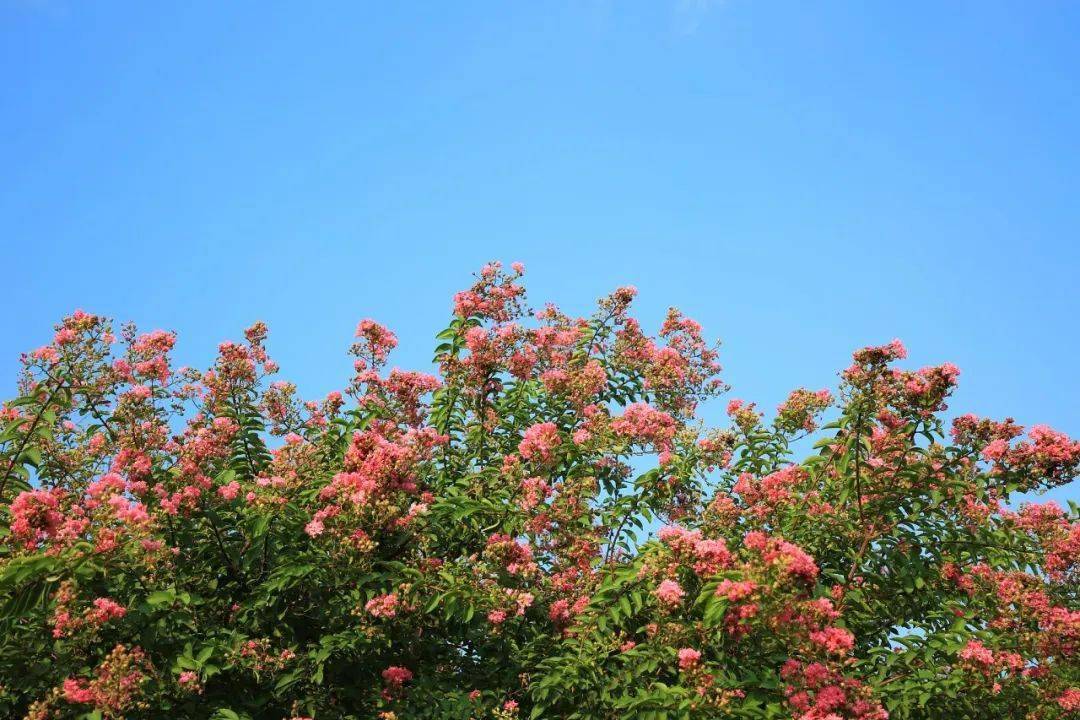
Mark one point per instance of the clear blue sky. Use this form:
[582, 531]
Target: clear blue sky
[803, 178]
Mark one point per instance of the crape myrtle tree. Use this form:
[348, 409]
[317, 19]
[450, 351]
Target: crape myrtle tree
[543, 529]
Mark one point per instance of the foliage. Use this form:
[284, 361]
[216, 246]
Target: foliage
[543, 530]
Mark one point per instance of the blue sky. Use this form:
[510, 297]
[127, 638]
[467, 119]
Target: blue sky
[803, 178]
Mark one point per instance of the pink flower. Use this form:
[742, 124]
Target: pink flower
[104, 610]
[77, 691]
[383, 606]
[790, 558]
[560, 612]
[800, 410]
[396, 676]
[895, 350]
[132, 512]
[977, 653]
[374, 342]
[1070, 699]
[688, 658]
[642, 423]
[47, 353]
[35, 515]
[995, 450]
[229, 491]
[539, 441]
[834, 640]
[670, 593]
[736, 590]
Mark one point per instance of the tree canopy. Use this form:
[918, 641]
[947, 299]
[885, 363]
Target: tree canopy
[543, 528]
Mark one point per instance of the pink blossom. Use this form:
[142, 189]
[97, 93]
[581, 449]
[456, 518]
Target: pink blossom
[688, 658]
[1070, 699]
[996, 449]
[230, 490]
[77, 691]
[539, 441]
[736, 590]
[834, 640]
[105, 609]
[35, 515]
[383, 606]
[642, 423]
[978, 653]
[396, 676]
[669, 592]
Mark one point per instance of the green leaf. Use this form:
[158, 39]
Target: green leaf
[161, 597]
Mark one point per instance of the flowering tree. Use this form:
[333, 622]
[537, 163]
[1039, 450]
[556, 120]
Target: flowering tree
[543, 530]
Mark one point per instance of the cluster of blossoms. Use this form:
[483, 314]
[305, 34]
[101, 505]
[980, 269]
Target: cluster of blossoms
[763, 495]
[383, 606]
[544, 528]
[816, 693]
[36, 516]
[800, 411]
[395, 678]
[116, 688]
[67, 620]
[495, 295]
[707, 556]
[1045, 454]
[260, 656]
[540, 442]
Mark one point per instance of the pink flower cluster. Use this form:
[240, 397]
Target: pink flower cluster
[688, 658]
[395, 677]
[880, 354]
[644, 424]
[834, 640]
[105, 609]
[706, 556]
[539, 441]
[374, 343]
[669, 593]
[736, 590]
[36, 516]
[790, 558]
[495, 295]
[774, 489]
[382, 606]
[815, 692]
[799, 412]
[117, 684]
[515, 556]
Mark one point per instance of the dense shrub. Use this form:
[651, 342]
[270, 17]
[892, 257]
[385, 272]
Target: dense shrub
[543, 529]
